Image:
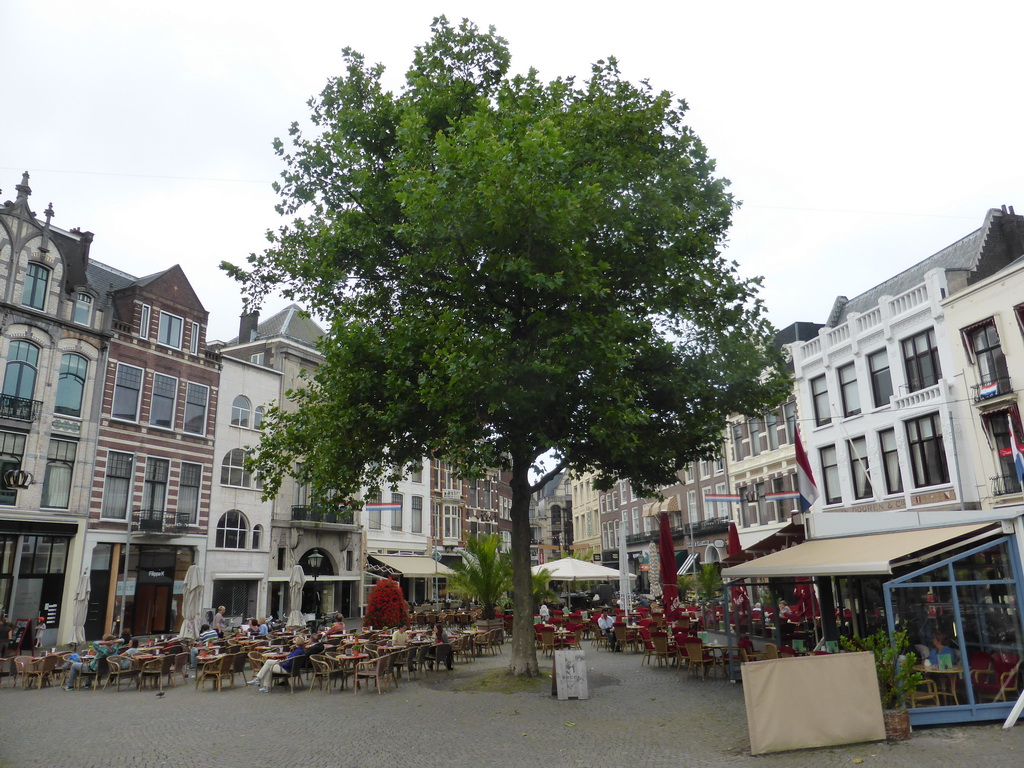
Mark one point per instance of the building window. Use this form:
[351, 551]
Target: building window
[416, 475]
[257, 536]
[782, 506]
[196, 398]
[988, 355]
[83, 309]
[165, 395]
[127, 392]
[20, 374]
[890, 461]
[998, 425]
[819, 398]
[860, 474]
[36, 279]
[169, 332]
[12, 449]
[452, 521]
[830, 473]
[737, 449]
[154, 491]
[373, 511]
[416, 504]
[927, 451]
[60, 467]
[396, 514]
[240, 409]
[232, 530]
[257, 417]
[193, 341]
[848, 393]
[771, 429]
[233, 471]
[692, 513]
[881, 380]
[754, 426]
[789, 414]
[117, 485]
[921, 360]
[71, 384]
[188, 491]
[144, 320]
[258, 359]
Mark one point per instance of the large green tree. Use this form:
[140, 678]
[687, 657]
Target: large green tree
[513, 270]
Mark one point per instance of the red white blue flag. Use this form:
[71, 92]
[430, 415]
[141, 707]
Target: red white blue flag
[1017, 451]
[989, 390]
[804, 477]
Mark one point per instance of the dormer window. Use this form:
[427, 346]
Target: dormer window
[83, 309]
[169, 334]
[37, 277]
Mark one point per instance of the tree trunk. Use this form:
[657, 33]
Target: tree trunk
[524, 649]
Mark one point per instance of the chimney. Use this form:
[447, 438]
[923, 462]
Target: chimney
[247, 327]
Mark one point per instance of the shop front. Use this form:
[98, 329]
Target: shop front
[955, 590]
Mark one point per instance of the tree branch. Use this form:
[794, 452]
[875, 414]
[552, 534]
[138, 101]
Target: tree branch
[547, 477]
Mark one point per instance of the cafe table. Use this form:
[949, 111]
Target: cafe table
[945, 679]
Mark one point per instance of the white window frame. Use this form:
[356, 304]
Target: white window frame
[145, 318]
[105, 510]
[153, 399]
[188, 404]
[82, 300]
[160, 332]
[138, 396]
[193, 342]
[193, 513]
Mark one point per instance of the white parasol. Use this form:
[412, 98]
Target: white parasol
[80, 608]
[571, 569]
[192, 603]
[295, 582]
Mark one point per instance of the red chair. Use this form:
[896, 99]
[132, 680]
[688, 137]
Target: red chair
[1001, 679]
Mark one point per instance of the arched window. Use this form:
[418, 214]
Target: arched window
[232, 470]
[37, 277]
[20, 376]
[257, 536]
[232, 530]
[257, 417]
[240, 409]
[71, 384]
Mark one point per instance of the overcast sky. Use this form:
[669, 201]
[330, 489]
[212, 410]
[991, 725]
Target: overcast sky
[860, 138]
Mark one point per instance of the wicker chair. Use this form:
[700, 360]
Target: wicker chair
[326, 670]
[216, 670]
[116, 672]
[294, 675]
[379, 670]
[42, 672]
[155, 670]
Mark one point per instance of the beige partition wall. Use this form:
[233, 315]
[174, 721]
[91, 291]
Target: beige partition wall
[812, 701]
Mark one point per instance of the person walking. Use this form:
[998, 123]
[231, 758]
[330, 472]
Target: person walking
[220, 621]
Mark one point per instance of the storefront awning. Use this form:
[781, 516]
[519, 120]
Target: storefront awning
[414, 566]
[872, 555]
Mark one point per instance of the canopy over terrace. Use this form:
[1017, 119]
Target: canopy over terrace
[421, 574]
[571, 569]
[871, 555]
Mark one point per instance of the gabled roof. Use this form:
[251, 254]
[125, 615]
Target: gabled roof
[981, 253]
[291, 323]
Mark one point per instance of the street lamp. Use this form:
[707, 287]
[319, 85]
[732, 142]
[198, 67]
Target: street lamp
[315, 560]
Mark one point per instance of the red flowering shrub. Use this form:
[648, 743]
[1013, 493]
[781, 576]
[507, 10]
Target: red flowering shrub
[386, 606]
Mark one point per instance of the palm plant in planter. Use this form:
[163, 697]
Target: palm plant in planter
[897, 679]
[484, 575]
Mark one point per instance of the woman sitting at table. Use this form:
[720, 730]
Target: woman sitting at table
[338, 627]
[939, 648]
[270, 666]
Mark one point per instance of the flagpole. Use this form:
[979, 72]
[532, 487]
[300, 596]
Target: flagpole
[624, 587]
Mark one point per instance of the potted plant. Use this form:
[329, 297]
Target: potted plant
[386, 606]
[897, 679]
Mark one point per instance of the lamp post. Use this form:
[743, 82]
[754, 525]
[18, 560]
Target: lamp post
[315, 560]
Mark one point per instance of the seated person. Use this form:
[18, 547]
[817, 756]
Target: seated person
[338, 627]
[940, 648]
[400, 637]
[263, 629]
[315, 645]
[108, 646]
[206, 634]
[271, 666]
[134, 649]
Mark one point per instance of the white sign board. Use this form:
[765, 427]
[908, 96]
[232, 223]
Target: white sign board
[570, 675]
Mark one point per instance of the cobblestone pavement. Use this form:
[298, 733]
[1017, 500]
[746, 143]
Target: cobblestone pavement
[635, 716]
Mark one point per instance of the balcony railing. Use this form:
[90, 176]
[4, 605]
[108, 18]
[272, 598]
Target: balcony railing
[701, 528]
[323, 513]
[1004, 485]
[20, 408]
[981, 393]
[162, 521]
[451, 494]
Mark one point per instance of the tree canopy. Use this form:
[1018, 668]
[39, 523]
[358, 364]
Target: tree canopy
[511, 269]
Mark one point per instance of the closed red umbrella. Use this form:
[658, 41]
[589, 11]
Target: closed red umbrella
[739, 594]
[667, 552]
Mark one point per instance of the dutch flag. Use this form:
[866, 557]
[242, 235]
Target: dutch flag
[1017, 451]
[804, 477]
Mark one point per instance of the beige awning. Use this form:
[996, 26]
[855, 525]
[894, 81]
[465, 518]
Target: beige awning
[414, 565]
[872, 555]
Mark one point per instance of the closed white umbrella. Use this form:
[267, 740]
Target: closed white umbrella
[80, 608]
[192, 603]
[295, 582]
